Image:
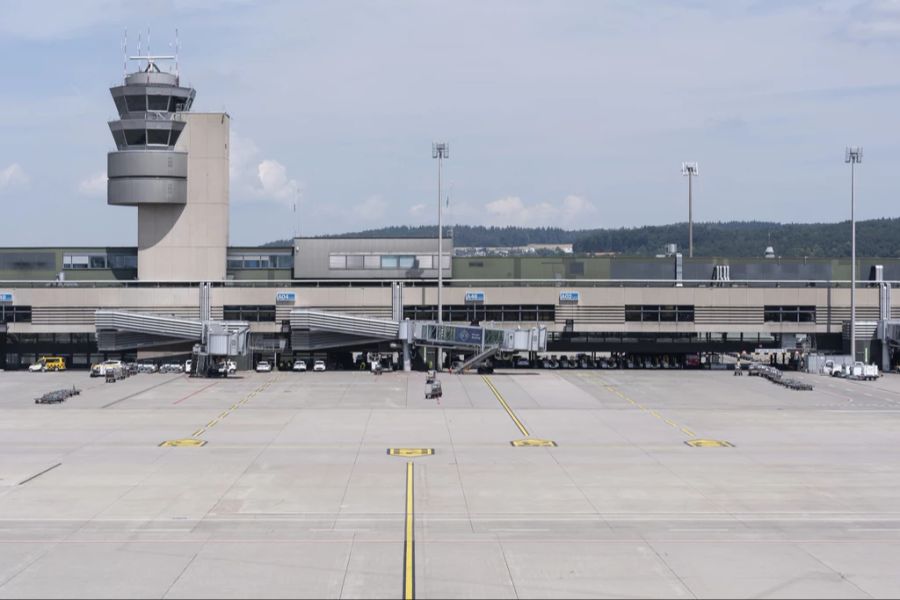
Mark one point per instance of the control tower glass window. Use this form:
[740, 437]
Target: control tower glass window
[136, 137]
[177, 104]
[159, 103]
[136, 103]
[158, 136]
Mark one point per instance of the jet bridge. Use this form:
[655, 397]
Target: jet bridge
[124, 330]
[315, 330]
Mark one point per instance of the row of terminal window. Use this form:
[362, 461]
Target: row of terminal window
[684, 313]
[157, 103]
[260, 261]
[15, 314]
[384, 261]
[656, 313]
[263, 313]
[99, 261]
[483, 312]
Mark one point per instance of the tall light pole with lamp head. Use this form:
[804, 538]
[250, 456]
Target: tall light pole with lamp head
[853, 156]
[690, 170]
[440, 151]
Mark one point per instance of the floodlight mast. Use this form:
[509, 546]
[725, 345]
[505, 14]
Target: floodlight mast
[440, 151]
[853, 156]
[690, 170]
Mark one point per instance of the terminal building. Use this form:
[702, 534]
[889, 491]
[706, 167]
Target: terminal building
[329, 297]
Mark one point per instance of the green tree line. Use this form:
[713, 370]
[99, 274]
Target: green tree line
[878, 237]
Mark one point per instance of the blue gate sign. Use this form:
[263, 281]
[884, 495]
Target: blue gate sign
[6, 298]
[468, 335]
[474, 296]
[286, 297]
[569, 297]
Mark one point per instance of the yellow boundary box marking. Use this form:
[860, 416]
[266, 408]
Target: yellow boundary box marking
[709, 444]
[183, 443]
[533, 443]
[409, 548]
[410, 452]
[528, 441]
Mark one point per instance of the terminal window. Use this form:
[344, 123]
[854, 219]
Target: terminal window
[84, 261]
[15, 314]
[384, 261]
[789, 314]
[483, 312]
[249, 312]
[656, 313]
[260, 261]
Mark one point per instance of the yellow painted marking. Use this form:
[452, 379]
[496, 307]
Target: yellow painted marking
[185, 443]
[409, 549]
[668, 421]
[506, 407]
[533, 442]
[195, 442]
[410, 452]
[709, 444]
[528, 441]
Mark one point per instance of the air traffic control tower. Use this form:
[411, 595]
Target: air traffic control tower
[173, 166]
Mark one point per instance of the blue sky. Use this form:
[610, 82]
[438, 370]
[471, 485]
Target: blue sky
[574, 114]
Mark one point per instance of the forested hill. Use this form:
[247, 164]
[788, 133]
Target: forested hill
[879, 237]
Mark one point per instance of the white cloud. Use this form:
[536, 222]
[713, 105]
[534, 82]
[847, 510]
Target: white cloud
[12, 176]
[576, 207]
[513, 210]
[254, 178]
[275, 182]
[875, 20]
[417, 210]
[94, 186]
[372, 208]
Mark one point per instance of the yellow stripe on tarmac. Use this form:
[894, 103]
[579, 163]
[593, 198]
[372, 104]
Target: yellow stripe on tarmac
[666, 420]
[409, 548]
[506, 407]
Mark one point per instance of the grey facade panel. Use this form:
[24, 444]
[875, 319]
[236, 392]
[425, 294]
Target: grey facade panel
[131, 191]
[761, 269]
[312, 257]
[146, 164]
[650, 268]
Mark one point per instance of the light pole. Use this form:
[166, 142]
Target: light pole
[853, 156]
[690, 170]
[440, 151]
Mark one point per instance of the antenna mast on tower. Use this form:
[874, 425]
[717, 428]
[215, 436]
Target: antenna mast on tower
[125, 54]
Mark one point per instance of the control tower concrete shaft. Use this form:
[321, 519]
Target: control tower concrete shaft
[173, 166]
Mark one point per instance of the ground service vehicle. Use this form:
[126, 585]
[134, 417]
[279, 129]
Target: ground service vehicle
[299, 365]
[48, 363]
[864, 371]
[263, 366]
[99, 369]
[319, 365]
